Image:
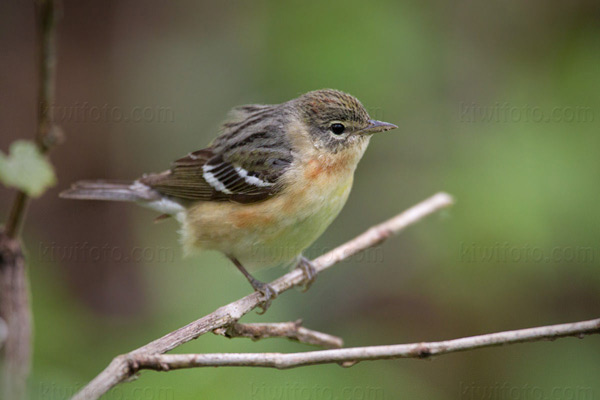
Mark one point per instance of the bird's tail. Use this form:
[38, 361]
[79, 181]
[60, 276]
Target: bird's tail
[110, 190]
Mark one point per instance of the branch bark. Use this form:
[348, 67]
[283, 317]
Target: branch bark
[120, 369]
[351, 356]
[16, 314]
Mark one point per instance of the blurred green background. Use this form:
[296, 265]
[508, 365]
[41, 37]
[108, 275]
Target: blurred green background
[497, 103]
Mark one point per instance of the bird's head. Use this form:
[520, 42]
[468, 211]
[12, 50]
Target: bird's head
[336, 121]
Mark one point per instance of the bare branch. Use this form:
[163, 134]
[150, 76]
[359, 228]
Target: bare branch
[290, 330]
[166, 362]
[119, 369]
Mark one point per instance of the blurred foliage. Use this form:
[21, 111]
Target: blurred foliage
[26, 168]
[497, 103]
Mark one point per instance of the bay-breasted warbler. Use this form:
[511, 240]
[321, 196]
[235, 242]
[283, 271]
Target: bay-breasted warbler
[266, 188]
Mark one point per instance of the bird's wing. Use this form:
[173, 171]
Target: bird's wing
[244, 165]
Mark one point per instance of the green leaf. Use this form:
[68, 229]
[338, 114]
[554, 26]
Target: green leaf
[25, 168]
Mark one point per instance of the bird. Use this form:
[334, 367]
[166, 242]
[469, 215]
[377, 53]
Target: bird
[265, 189]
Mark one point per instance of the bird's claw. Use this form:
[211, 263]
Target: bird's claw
[309, 271]
[268, 292]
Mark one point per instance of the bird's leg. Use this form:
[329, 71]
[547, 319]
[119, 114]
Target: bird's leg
[309, 271]
[266, 290]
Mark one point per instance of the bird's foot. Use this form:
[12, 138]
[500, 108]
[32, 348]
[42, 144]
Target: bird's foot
[268, 292]
[309, 271]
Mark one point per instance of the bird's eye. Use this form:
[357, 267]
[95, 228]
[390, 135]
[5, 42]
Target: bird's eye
[337, 128]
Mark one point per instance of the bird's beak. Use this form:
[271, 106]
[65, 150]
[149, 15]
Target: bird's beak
[378, 126]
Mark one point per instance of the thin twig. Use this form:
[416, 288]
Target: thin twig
[166, 362]
[14, 294]
[46, 135]
[17, 212]
[119, 370]
[3, 332]
[290, 330]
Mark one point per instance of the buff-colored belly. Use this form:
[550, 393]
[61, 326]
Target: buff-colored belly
[270, 233]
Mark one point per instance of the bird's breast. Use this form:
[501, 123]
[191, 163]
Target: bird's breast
[274, 231]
